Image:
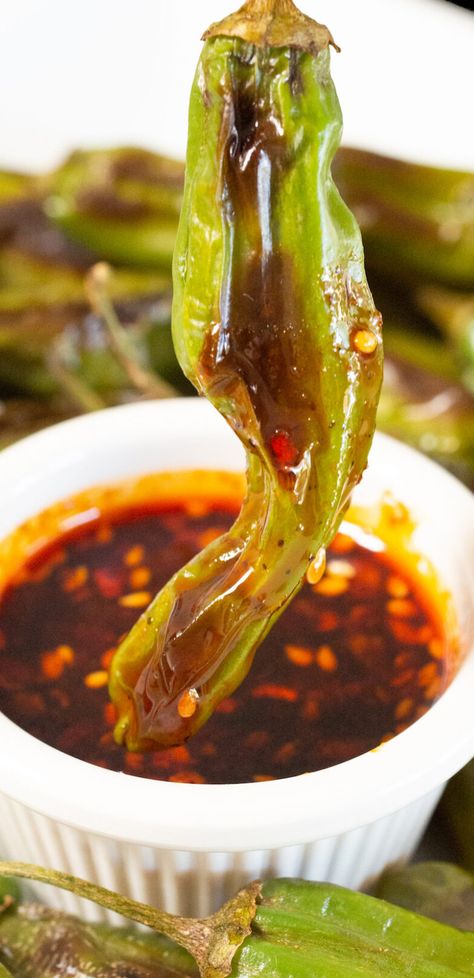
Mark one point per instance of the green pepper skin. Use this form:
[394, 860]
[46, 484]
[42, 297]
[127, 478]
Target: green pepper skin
[416, 219]
[36, 942]
[422, 405]
[437, 890]
[453, 314]
[270, 294]
[9, 890]
[15, 186]
[122, 203]
[311, 930]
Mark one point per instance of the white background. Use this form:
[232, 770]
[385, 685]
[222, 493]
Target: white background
[102, 72]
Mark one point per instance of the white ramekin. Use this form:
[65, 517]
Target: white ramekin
[187, 847]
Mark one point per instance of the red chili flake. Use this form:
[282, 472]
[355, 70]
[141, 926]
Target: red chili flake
[437, 648]
[427, 674]
[30, 703]
[167, 759]
[106, 658]
[285, 752]
[107, 740]
[109, 584]
[61, 698]
[409, 634]
[227, 706]
[134, 761]
[298, 655]
[257, 740]
[404, 678]
[75, 578]
[283, 449]
[312, 706]
[274, 692]
[208, 750]
[327, 621]
[110, 714]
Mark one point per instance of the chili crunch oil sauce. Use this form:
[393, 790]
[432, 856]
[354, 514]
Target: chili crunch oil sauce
[356, 658]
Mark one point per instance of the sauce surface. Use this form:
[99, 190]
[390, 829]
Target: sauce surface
[353, 661]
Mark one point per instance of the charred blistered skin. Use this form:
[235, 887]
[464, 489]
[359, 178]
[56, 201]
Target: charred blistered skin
[37, 942]
[273, 323]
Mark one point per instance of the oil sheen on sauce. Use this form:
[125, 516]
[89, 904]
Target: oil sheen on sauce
[353, 661]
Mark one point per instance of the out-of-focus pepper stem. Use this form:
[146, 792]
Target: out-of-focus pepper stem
[274, 23]
[77, 390]
[97, 283]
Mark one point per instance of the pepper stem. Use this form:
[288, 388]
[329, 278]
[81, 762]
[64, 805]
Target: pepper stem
[212, 942]
[274, 23]
[96, 285]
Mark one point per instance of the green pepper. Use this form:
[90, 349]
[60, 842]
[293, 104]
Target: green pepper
[43, 302]
[9, 892]
[274, 323]
[15, 186]
[32, 282]
[123, 204]
[278, 929]
[438, 890]
[36, 942]
[416, 220]
[453, 313]
[424, 405]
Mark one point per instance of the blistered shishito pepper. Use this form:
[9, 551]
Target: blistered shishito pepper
[277, 929]
[36, 942]
[275, 324]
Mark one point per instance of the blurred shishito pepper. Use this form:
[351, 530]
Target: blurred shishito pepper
[276, 929]
[275, 324]
[441, 891]
[123, 204]
[418, 219]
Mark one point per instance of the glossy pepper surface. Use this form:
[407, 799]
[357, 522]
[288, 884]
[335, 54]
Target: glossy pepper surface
[274, 323]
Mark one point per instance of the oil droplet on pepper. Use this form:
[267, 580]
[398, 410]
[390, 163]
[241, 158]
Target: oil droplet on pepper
[188, 704]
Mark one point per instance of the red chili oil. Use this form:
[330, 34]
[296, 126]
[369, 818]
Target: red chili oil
[353, 661]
